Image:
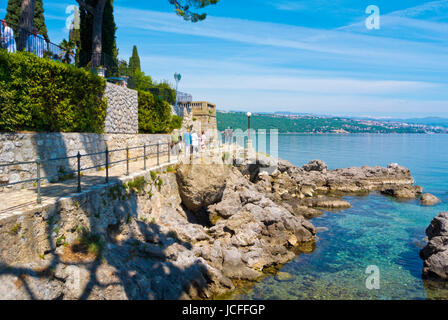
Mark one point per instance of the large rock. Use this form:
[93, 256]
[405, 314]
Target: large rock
[435, 253]
[201, 185]
[429, 200]
[316, 165]
[403, 192]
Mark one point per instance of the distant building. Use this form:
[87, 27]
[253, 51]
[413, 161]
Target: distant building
[182, 98]
[199, 114]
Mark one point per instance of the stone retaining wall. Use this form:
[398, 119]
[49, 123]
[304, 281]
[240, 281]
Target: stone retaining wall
[122, 110]
[20, 147]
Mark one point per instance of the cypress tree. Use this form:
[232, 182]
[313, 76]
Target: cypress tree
[13, 17]
[134, 61]
[134, 68]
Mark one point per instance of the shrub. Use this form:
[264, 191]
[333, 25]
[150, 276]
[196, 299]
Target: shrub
[154, 114]
[89, 242]
[176, 123]
[42, 95]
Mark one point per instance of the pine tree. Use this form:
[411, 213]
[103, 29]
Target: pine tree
[134, 61]
[13, 17]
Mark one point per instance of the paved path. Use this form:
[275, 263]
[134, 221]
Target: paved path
[20, 200]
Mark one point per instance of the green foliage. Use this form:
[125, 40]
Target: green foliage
[13, 17]
[183, 8]
[134, 62]
[42, 95]
[176, 122]
[138, 184]
[16, 229]
[154, 114]
[90, 242]
[60, 240]
[109, 45]
[69, 48]
[306, 124]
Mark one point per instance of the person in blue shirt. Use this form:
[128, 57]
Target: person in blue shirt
[187, 141]
[36, 44]
[7, 38]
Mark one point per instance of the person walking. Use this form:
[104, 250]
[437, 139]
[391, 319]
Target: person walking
[187, 142]
[36, 44]
[195, 142]
[174, 141]
[231, 135]
[7, 38]
[203, 141]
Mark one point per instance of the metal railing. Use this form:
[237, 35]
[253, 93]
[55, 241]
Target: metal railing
[107, 165]
[13, 38]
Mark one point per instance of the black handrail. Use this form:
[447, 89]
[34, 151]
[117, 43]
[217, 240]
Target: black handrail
[15, 38]
[79, 156]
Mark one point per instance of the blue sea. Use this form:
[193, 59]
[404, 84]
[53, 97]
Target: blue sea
[377, 230]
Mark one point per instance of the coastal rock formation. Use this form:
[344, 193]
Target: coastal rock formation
[305, 191]
[403, 192]
[200, 186]
[435, 253]
[429, 200]
[195, 233]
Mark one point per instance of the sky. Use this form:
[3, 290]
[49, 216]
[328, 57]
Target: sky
[310, 56]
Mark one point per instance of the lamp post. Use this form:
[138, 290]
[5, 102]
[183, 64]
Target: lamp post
[249, 142]
[177, 78]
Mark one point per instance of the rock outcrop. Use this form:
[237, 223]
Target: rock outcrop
[435, 253]
[195, 233]
[306, 191]
[429, 200]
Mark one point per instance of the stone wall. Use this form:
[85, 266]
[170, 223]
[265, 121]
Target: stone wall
[22, 147]
[122, 110]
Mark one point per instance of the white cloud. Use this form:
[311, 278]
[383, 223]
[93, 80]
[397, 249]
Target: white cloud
[266, 66]
[287, 5]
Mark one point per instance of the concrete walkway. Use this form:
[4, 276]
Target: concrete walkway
[20, 200]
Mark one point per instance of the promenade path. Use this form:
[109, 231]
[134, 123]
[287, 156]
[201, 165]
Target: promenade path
[25, 199]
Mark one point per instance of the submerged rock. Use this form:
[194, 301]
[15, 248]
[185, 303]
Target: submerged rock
[284, 276]
[429, 200]
[435, 253]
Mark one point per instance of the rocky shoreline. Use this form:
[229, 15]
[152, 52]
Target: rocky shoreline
[435, 253]
[195, 232]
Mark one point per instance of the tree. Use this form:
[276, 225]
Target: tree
[91, 52]
[134, 68]
[134, 61]
[13, 12]
[183, 8]
[39, 20]
[26, 20]
[96, 9]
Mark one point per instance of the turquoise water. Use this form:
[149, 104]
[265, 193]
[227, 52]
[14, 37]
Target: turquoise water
[377, 230]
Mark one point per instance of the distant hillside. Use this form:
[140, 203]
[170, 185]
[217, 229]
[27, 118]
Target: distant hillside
[287, 123]
[428, 121]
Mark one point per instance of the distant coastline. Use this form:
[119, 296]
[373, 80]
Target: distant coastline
[309, 124]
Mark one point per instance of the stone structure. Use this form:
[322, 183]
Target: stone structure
[21, 147]
[122, 110]
[201, 116]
